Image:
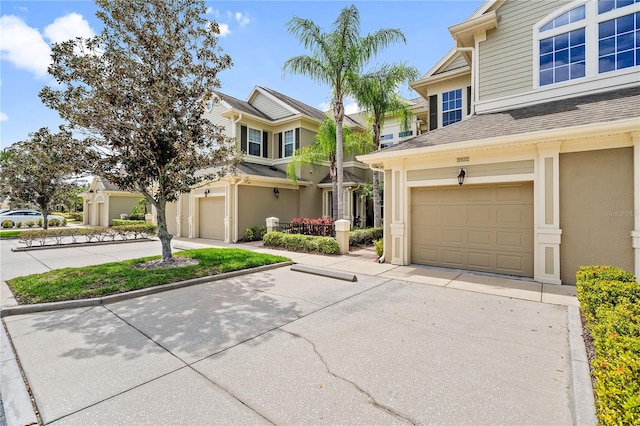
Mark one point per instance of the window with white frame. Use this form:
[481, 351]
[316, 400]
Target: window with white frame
[451, 107]
[255, 142]
[566, 43]
[289, 143]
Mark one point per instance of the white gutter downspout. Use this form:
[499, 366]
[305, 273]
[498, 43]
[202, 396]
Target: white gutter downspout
[473, 75]
[234, 239]
[381, 258]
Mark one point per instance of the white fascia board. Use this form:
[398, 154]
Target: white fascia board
[562, 134]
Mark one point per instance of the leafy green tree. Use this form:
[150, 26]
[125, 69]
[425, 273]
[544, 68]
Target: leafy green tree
[41, 170]
[324, 150]
[377, 94]
[336, 59]
[137, 91]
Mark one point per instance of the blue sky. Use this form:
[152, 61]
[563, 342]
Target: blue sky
[253, 34]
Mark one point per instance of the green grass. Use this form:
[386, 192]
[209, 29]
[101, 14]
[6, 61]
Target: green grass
[10, 234]
[120, 277]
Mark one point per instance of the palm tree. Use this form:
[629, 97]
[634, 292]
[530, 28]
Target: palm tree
[376, 93]
[336, 59]
[324, 149]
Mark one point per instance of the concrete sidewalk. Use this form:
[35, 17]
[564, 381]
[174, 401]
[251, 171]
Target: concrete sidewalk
[284, 347]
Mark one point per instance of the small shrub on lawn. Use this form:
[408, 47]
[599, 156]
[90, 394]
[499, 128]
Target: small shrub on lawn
[54, 222]
[77, 216]
[7, 224]
[39, 222]
[255, 233]
[18, 224]
[610, 301]
[30, 224]
[379, 246]
[362, 237]
[297, 242]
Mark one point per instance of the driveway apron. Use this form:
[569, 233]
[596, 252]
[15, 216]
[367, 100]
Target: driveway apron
[284, 347]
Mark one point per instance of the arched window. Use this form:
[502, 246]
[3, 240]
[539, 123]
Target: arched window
[587, 39]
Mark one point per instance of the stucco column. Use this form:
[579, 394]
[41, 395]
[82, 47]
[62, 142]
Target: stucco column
[272, 224]
[547, 215]
[343, 227]
[398, 210]
[635, 234]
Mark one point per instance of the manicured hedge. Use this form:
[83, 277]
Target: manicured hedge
[97, 233]
[610, 302]
[127, 222]
[361, 237]
[255, 233]
[297, 242]
[379, 246]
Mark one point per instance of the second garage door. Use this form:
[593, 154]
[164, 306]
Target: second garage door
[211, 216]
[486, 228]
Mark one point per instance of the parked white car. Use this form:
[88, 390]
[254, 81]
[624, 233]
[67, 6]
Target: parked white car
[24, 216]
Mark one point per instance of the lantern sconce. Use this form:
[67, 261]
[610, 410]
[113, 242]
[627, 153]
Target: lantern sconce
[206, 192]
[276, 192]
[461, 176]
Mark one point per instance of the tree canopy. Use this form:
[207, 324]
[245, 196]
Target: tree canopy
[336, 59]
[137, 92]
[42, 169]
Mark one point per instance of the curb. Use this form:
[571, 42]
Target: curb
[329, 273]
[583, 403]
[69, 304]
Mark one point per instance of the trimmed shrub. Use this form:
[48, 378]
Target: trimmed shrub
[361, 237]
[379, 246]
[30, 224]
[255, 233]
[18, 224]
[7, 224]
[610, 301]
[77, 216]
[39, 222]
[127, 222]
[54, 222]
[298, 242]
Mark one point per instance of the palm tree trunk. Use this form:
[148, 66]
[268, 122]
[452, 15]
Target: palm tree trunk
[338, 111]
[377, 209]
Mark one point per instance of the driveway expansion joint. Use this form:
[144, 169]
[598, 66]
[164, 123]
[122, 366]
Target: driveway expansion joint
[369, 397]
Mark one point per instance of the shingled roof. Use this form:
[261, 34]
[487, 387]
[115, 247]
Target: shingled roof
[242, 106]
[295, 104]
[590, 109]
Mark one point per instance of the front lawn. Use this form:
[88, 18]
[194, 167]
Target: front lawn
[120, 277]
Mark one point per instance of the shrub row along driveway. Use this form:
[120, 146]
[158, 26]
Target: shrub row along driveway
[288, 348]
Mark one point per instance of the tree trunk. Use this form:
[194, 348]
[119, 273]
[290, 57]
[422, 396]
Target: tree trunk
[377, 210]
[338, 112]
[334, 197]
[45, 216]
[164, 236]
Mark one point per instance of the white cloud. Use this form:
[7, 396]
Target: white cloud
[242, 19]
[26, 48]
[3, 116]
[68, 27]
[351, 108]
[214, 12]
[23, 46]
[224, 30]
[325, 106]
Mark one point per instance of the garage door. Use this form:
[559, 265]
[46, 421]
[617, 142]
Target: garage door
[486, 228]
[211, 217]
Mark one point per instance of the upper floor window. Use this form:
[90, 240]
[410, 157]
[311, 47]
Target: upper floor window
[386, 144]
[406, 133]
[607, 5]
[288, 143]
[565, 43]
[451, 107]
[386, 137]
[562, 57]
[619, 43]
[255, 139]
[574, 15]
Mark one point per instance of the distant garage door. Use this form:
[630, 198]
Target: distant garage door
[211, 217]
[486, 228]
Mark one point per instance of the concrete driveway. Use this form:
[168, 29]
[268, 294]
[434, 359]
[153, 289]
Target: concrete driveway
[284, 347]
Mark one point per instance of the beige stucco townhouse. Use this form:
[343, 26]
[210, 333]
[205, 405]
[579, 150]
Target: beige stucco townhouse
[531, 166]
[105, 201]
[268, 127]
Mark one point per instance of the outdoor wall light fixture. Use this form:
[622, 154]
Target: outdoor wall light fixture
[461, 176]
[206, 192]
[276, 192]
